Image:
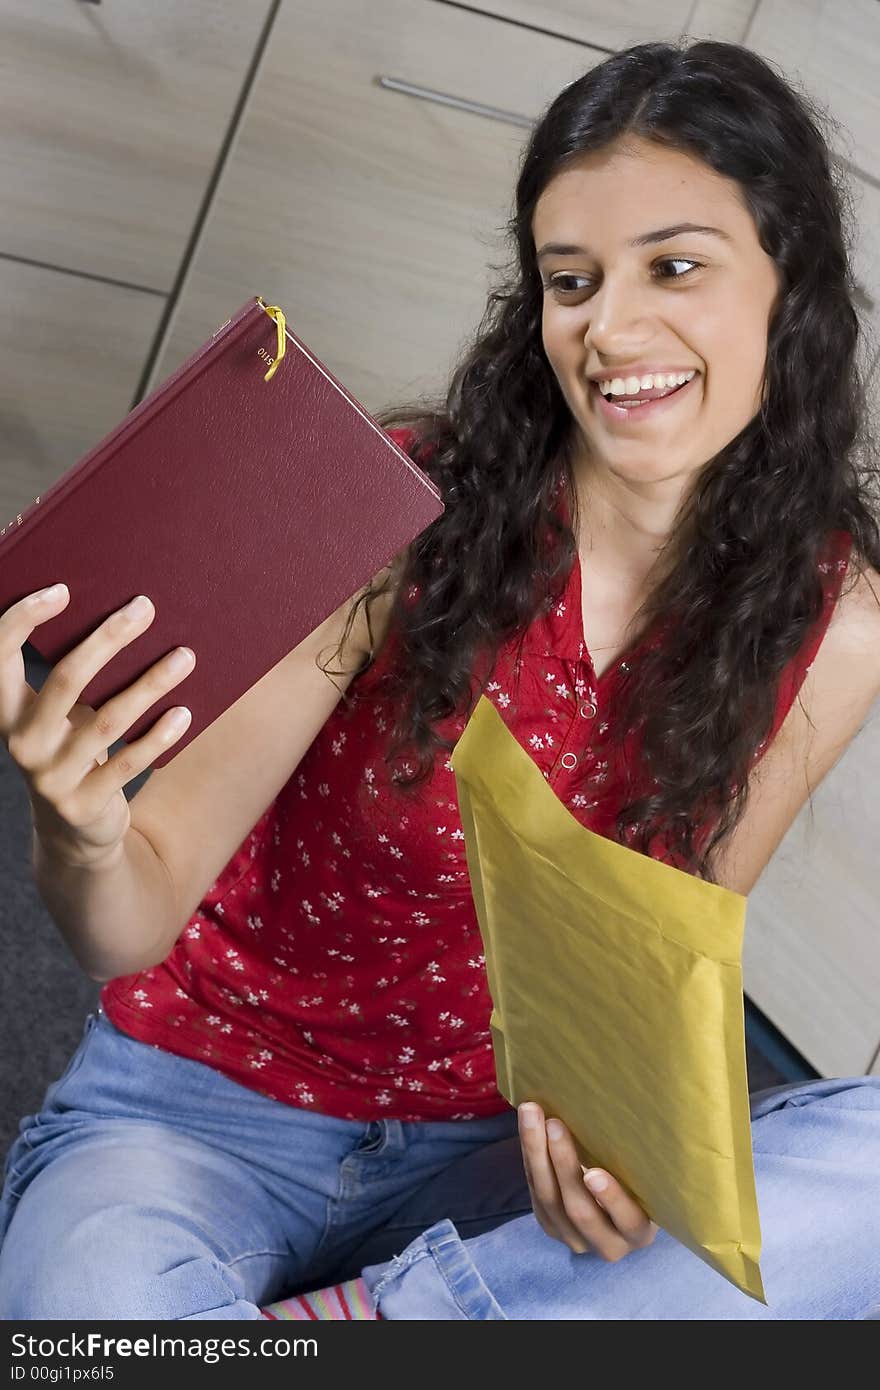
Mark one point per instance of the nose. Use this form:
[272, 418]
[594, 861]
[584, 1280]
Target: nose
[617, 324]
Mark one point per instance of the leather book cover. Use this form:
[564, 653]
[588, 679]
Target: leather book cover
[247, 509]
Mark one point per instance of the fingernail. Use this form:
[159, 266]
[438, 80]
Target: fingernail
[596, 1182]
[554, 1129]
[528, 1115]
[55, 591]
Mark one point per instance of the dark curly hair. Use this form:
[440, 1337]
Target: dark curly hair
[749, 538]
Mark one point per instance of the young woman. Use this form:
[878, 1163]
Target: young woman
[658, 560]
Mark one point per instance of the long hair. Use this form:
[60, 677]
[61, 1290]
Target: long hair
[745, 586]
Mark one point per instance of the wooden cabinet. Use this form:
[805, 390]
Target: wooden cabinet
[112, 119]
[369, 213]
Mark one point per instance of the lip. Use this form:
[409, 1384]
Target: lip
[635, 415]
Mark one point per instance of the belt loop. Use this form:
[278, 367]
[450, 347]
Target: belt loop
[395, 1136]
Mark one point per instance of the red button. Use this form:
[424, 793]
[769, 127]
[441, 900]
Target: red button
[588, 710]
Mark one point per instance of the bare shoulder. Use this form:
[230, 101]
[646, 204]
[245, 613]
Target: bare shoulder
[854, 629]
[831, 707]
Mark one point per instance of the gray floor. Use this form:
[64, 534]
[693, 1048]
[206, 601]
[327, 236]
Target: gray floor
[44, 996]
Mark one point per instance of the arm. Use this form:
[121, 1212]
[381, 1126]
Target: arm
[834, 700]
[110, 914]
[190, 816]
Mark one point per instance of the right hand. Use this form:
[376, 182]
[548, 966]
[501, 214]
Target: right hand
[61, 745]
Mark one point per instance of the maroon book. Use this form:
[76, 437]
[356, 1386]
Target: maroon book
[247, 509]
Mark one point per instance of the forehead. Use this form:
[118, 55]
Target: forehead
[618, 193]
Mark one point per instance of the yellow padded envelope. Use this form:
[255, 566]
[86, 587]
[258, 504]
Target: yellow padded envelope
[616, 983]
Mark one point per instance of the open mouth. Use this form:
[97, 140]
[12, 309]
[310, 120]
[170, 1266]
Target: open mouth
[619, 409]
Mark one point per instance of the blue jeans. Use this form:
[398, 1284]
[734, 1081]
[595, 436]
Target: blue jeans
[152, 1187]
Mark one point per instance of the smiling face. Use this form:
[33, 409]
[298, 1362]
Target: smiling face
[695, 301]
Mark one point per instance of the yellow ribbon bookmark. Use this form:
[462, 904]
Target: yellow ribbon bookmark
[277, 314]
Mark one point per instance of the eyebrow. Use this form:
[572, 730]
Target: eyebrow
[561, 248]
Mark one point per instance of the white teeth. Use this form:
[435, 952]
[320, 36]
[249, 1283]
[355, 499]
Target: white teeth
[628, 386]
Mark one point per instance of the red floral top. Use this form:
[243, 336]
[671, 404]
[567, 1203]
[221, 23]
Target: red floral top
[336, 963]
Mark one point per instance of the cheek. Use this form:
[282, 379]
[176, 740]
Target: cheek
[736, 348]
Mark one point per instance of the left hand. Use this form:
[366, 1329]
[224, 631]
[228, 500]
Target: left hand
[610, 1222]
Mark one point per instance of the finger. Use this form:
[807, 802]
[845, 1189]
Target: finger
[581, 1211]
[45, 726]
[629, 1218]
[17, 623]
[543, 1185]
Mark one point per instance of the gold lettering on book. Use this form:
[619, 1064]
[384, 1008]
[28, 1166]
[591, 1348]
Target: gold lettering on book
[16, 521]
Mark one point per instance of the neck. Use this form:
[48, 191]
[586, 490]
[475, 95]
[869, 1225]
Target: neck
[626, 525]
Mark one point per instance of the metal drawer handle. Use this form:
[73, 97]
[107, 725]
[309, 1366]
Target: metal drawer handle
[477, 108]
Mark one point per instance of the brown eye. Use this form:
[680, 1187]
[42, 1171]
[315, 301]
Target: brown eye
[556, 283]
[677, 260]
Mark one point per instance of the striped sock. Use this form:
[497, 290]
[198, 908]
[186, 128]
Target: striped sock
[351, 1300]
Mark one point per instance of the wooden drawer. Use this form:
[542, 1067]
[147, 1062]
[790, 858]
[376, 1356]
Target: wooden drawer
[111, 120]
[72, 352]
[611, 27]
[835, 51]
